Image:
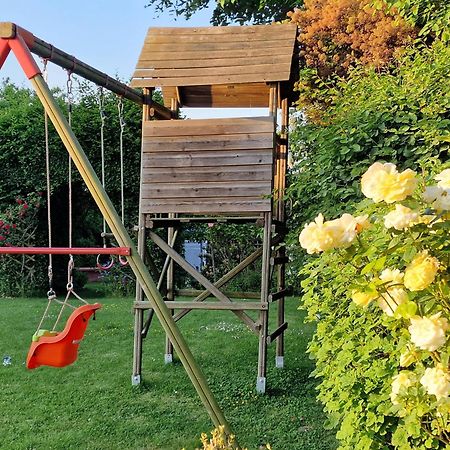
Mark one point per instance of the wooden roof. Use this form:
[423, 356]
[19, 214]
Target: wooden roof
[217, 66]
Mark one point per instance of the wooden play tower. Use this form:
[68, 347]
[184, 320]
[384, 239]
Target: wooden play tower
[229, 170]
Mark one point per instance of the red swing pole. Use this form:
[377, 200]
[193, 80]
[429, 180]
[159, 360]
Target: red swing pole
[121, 251]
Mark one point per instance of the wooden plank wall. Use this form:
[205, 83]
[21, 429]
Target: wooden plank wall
[208, 166]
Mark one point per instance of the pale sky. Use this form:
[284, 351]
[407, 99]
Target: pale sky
[106, 34]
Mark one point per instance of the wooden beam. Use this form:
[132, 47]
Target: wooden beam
[164, 222]
[135, 261]
[7, 30]
[280, 294]
[229, 276]
[231, 294]
[272, 336]
[200, 278]
[241, 306]
[74, 65]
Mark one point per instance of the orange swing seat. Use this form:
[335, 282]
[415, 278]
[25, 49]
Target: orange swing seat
[62, 349]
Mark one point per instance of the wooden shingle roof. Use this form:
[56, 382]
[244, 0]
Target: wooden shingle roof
[210, 64]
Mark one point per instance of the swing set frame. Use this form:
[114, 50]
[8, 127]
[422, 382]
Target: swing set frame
[21, 43]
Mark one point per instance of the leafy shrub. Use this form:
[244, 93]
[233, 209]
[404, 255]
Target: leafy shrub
[337, 35]
[23, 274]
[402, 117]
[381, 302]
[431, 16]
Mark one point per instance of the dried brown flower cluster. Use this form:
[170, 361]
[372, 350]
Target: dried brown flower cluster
[335, 34]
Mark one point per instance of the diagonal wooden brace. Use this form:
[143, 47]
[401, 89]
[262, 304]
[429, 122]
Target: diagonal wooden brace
[162, 244]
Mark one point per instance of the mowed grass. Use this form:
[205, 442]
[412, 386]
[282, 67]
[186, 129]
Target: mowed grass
[92, 405]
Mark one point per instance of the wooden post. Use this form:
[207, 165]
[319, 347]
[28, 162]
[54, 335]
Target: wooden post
[281, 270]
[138, 315]
[264, 314]
[168, 355]
[124, 240]
[266, 268]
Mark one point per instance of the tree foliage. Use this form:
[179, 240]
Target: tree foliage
[337, 35]
[22, 157]
[431, 16]
[229, 11]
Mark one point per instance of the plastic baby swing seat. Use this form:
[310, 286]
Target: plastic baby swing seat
[62, 349]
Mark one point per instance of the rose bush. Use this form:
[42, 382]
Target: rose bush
[380, 294]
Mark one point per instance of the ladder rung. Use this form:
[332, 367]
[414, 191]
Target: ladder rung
[281, 329]
[280, 294]
[275, 261]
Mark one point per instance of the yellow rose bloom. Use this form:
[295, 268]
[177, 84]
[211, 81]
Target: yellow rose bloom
[436, 381]
[401, 218]
[444, 179]
[421, 272]
[382, 182]
[401, 381]
[363, 298]
[317, 236]
[394, 294]
[428, 333]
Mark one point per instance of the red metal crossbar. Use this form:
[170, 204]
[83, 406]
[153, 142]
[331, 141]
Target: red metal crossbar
[122, 251]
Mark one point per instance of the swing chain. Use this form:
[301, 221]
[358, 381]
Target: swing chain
[51, 295]
[69, 94]
[121, 116]
[44, 69]
[101, 105]
[70, 274]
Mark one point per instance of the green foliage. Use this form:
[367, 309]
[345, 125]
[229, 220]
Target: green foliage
[91, 404]
[21, 275]
[229, 11]
[22, 156]
[432, 16]
[358, 350]
[401, 117]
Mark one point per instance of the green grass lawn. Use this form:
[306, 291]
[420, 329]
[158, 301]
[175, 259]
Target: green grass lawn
[92, 405]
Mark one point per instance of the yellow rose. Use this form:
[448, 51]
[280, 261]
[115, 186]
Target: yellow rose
[344, 229]
[431, 193]
[394, 294]
[401, 218]
[436, 381]
[382, 182]
[362, 223]
[442, 203]
[421, 271]
[444, 179]
[317, 237]
[363, 298]
[403, 380]
[438, 196]
[428, 333]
